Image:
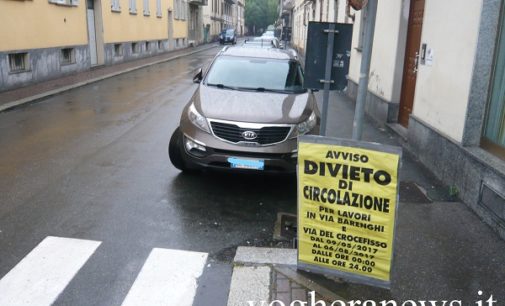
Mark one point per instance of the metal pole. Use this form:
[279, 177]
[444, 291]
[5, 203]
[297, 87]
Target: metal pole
[327, 78]
[366, 57]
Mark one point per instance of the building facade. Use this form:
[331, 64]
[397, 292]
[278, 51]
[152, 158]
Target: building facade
[60, 37]
[239, 17]
[298, 13]
[27, 55]
[437, 77]
[220, 15]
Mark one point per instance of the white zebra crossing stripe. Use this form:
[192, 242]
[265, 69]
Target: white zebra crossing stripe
[168, 277]
[45, 272]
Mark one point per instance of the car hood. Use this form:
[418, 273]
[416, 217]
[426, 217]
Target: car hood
[255, 107]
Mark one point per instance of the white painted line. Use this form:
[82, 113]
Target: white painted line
[40, 277]
[168, 277]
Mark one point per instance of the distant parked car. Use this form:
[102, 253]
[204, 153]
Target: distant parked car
[228, 37]
[262, 42]
[269, 34]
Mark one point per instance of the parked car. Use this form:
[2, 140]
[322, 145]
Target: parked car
[246, 114]
[228, 36]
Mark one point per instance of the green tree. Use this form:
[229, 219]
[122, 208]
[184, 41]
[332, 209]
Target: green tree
[260, 13]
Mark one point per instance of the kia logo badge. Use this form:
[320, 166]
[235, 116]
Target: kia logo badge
[249, 135]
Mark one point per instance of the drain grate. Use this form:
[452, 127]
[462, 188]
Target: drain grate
[285, 227]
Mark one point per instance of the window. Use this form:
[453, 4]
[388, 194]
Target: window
[135, 48]
[146, 8]
[158, 8]
[19, 62]
[269, 74]
[114, 6]
[494, 126]
[67, 56]
[180, 9]
[65, 2]
[133, 7]
[118, 50]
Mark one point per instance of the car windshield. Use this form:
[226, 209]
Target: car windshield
[259, 74]
[230, 32]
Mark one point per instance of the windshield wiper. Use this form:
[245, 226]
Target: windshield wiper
[221, 86]
[263, 89]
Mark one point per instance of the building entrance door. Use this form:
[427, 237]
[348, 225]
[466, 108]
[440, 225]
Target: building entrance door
[411, 60]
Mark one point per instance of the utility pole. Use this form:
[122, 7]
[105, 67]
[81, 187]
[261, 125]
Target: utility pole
[366, 58]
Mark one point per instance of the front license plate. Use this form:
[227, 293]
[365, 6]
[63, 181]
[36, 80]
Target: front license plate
[241, 163]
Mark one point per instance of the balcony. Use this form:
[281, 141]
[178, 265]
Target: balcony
[198, 2]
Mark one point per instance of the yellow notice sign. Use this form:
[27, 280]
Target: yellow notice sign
[347, 197]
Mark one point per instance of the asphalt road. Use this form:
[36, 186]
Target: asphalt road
[92, 164]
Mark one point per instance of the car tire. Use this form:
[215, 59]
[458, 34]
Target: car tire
[175, 151]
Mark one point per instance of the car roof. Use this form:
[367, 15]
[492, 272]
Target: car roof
[272, 53]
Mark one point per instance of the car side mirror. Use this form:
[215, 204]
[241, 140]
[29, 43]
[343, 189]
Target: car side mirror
[198, 76]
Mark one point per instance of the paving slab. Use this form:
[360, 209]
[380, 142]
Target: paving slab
[250, 284]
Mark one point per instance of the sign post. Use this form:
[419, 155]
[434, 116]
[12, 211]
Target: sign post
[347, 203]
[327, 76]
[327, 60]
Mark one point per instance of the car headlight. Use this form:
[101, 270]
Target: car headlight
[307, 125]
[197, 119]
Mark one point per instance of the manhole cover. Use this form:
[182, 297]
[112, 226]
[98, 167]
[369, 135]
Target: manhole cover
[411, 193]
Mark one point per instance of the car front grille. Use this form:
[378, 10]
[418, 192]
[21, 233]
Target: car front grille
[265, 135]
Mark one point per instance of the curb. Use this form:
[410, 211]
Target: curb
[16, 103]
[251, 275]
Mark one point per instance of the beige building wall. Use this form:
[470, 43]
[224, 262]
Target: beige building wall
[40, 24]
[388, 49]
[442, 89]
[180, 28]
[124, 26]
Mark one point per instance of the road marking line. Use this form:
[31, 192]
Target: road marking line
[40, 277]
[168, 277]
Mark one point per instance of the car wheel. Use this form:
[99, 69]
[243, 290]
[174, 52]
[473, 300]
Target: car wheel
[175, 151]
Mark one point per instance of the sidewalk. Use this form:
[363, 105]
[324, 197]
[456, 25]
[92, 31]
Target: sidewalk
[443, 251]
[31, 93]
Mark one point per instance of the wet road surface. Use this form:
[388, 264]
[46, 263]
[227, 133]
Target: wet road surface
[92, 164]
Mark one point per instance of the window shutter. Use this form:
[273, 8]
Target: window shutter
[115, 6]
[146, 7]
[158, 8]
[133, 6]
